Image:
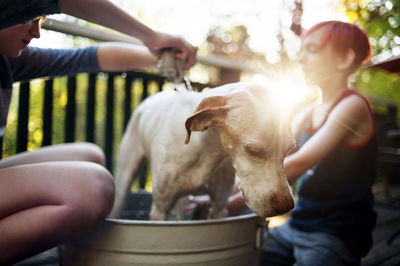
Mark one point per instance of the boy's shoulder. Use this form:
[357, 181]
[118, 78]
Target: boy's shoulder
[353, 110]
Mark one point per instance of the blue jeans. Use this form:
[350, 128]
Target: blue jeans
[289, 246]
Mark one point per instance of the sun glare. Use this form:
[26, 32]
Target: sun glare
[289, 93]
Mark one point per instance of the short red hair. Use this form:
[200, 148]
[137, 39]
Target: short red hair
[342, 36]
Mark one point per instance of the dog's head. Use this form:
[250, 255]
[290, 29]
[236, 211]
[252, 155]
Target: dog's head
[257, 135]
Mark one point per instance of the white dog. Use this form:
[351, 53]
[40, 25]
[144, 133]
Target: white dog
[238, 127]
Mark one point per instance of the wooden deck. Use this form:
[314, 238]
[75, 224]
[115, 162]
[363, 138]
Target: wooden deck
[382, 253]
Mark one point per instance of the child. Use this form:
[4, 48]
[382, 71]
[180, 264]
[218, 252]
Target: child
[335, 165]
[53, 194]
[102, 12]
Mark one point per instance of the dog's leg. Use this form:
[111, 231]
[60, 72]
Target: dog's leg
[156, 214]
[130, 156]
[160, 208]
[221, 190]
[165, 195]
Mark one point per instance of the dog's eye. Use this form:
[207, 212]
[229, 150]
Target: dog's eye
[255, 150]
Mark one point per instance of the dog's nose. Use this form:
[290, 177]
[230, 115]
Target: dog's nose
[281, 203]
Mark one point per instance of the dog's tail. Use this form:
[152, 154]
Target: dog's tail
[130, 161]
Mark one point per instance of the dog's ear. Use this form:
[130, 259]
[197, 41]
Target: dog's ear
[209, 112]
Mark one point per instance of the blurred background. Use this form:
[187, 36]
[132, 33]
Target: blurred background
[257, 40]
[257, 35]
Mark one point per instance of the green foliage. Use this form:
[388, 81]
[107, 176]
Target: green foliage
[35, 131]
[381, 21]
[374, 80]
[9, 138]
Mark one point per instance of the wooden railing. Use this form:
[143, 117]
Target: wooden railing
[91, 106]
[108, 133]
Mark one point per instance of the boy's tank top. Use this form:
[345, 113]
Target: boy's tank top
[335, 196]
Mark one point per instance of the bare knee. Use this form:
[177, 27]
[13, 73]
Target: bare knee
[91, 153]
[98, 198]
[103, 194]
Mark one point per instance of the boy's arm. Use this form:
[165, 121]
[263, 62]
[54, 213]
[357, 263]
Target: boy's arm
[298, 121]
[122, 56]
[342, 123]
[104, 12]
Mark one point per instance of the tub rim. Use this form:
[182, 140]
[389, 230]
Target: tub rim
[230, 219]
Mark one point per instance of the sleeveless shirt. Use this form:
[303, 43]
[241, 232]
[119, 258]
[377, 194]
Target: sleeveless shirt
[335, 196]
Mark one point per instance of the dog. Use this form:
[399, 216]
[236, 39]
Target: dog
[197, 141]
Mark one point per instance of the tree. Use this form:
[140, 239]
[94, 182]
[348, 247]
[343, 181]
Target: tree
[230, 42]
[381, 21]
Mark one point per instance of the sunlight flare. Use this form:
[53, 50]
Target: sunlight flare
[289, 93]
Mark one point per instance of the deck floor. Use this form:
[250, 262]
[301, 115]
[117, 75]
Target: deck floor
[382, 253]
[388, 223]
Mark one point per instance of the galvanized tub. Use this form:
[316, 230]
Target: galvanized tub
[229, 241]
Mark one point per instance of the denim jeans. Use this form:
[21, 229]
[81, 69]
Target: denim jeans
[289, 246]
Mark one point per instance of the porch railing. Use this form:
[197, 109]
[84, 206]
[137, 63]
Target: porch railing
[92, 132]
[106, 130]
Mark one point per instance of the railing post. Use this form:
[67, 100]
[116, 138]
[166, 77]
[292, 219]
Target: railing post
[70, 112]
[1, 147]
[47, 112]
[109, 121]
[145, 88]
[128, 100]
[160, 84]
[23, 115]
[90, 108]
[143, 172]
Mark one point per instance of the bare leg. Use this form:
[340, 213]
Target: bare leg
[62, 152]
[45, 204]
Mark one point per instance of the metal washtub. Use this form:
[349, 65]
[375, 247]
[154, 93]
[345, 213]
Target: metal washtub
[229, 241]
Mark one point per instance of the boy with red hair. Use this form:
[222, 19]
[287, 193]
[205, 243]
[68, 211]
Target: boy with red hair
[335, 165]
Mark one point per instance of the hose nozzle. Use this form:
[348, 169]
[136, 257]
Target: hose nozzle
[170, 66]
